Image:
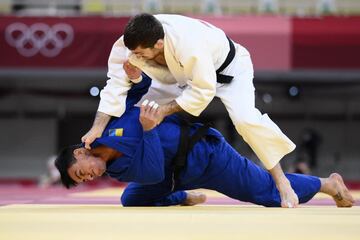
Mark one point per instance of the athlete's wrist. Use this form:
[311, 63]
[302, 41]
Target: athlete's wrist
[171, 108]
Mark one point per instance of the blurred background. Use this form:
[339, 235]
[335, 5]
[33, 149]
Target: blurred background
[306, 55]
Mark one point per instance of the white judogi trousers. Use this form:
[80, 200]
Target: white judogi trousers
[264, 137]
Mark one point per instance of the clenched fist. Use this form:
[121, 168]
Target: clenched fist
[131, 71]
[90, 137]
[150, 115]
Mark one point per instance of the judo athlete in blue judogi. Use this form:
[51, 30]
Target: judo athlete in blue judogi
[133, 148]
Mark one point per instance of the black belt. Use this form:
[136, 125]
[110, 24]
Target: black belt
[186, 143]
[221, 78]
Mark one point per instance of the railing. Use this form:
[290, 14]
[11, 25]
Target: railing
[216, 7]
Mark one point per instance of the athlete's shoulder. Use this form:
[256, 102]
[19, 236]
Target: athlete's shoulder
[129, 122]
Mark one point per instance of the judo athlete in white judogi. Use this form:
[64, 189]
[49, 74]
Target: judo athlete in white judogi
[190, 62]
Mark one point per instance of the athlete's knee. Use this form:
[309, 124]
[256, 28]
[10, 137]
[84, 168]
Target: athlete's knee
[244, 117]
[245, 122]
[129, 200]
[125, 200]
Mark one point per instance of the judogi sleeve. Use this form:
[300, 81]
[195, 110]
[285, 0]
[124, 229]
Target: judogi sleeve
[148, 162]
[113, 96]
[200, 71]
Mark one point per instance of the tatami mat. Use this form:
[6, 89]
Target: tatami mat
[59, 222]
[88, 213]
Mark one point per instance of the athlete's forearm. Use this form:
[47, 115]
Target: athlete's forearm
[278, 175]
[101, 120]
[171, 108]
[288, 196]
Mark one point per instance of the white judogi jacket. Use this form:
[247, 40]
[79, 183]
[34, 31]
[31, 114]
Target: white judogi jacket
[193, 51]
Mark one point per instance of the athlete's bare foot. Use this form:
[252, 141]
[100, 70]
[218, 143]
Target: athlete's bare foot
[335, 187]
[193, 198]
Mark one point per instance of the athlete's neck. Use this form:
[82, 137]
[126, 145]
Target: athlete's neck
[160, 59]
[105, 153]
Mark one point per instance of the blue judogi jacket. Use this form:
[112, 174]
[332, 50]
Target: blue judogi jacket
[147, 156]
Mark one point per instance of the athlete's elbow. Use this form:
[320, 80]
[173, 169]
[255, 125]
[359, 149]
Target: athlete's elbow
[209, 91]
[211, 94]
[207, 96]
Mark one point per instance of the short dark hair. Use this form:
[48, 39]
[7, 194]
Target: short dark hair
[63, 162]
[142, 30]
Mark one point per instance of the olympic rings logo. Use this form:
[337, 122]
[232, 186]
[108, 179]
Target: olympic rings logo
[39, 38]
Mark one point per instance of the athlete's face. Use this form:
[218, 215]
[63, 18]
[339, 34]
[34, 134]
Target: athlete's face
[150, 53]
[87, 167]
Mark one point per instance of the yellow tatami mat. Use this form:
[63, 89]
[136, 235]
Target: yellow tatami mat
[61, 222]
[97, 214]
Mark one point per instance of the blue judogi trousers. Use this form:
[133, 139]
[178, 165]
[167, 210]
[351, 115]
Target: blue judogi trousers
[238, 178]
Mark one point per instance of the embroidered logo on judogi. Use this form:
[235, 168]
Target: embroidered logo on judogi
[118, 132]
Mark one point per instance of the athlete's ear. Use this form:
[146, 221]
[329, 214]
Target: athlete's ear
[79, 151]
[159, 44]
